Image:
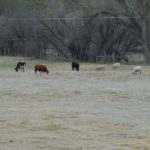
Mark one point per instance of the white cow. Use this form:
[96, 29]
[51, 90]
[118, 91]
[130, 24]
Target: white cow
[116, 65]
[137, 69]
[100, 67]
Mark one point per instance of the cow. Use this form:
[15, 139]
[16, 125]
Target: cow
[75, 65]
[116, 65]
[41, 69]
[137, 69]
[100, 67]
[20, 66]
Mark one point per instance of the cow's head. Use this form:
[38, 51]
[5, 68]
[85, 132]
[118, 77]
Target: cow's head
[16, 69]
[47, 71]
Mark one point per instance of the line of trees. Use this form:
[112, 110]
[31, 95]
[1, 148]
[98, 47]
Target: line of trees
[74, 29]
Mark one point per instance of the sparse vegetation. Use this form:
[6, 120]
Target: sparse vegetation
[68, 110]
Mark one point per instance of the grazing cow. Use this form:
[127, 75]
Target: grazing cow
[137, 69]
[100, 67]
[116, 65]
[75, 65]
[41, 69]
[20, 66]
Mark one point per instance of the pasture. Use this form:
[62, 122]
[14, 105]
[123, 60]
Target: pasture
[70, 110]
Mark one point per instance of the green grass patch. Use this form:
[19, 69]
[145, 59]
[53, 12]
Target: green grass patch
[51, 127]
[77, 148]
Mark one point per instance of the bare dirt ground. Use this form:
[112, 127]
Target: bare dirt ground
[66, 110]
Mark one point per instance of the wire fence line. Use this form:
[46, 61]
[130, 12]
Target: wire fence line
[75, 18]
[63, 18]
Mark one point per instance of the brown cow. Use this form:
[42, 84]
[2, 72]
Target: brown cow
[41, 68]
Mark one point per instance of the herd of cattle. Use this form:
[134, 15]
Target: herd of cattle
[41, 68]
[75, 66]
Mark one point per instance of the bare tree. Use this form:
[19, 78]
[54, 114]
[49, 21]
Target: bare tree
[134, 20]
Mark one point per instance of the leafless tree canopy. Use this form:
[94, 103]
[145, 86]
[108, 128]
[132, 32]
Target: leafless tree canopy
[71, 30]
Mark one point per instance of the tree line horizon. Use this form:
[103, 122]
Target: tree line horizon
[74, 29]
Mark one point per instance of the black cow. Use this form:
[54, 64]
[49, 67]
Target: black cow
[20, 66]
[75, 65]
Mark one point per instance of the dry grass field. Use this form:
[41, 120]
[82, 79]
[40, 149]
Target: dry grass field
[66, 110]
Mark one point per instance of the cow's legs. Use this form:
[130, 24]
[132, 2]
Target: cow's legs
[23, 68]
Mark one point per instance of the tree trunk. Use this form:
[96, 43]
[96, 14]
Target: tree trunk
[142, 18]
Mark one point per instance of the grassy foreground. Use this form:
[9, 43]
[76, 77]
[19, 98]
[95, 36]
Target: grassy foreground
[68, 110]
